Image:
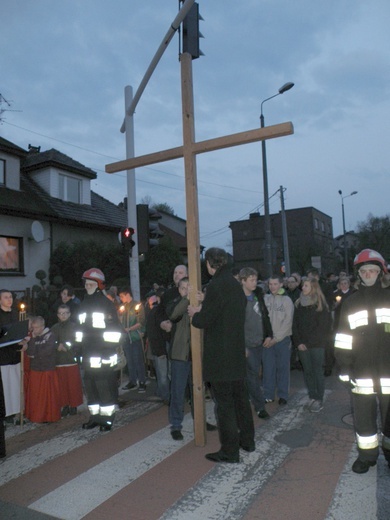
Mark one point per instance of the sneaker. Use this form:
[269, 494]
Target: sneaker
[308, 405]
[130, 386]
[317, 406]
[177, 435]
[282, 401]
[362, 466]
[142, 388]
[269, 400]
[65, 411]
[263, 414]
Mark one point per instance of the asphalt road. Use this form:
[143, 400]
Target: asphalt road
[299, 471]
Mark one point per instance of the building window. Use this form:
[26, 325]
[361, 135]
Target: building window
[322, 227]
[2, 172]
[11, 255]
[316, 223]
[70, 189]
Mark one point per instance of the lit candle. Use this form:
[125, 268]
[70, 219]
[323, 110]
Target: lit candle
[22, 312]
[338, 299]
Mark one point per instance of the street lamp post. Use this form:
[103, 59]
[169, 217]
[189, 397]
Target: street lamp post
[267, 220]
[344, 232]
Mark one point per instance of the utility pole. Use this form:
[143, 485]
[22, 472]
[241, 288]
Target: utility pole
[131, 198]
[286, 252]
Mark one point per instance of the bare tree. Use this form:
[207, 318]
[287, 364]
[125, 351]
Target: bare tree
[374, 233]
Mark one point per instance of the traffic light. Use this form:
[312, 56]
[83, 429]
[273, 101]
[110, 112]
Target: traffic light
[191, 33]
[127, 237]
[149, 231]
[143, 228]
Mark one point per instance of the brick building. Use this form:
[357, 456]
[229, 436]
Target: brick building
[310, 240]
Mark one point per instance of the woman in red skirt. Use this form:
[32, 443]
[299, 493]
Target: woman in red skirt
[43, 393]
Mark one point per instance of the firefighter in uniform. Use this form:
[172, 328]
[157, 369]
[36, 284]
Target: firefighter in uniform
[99, 333]
[362, 346]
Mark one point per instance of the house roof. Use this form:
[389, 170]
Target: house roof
[53, 157]
[179, 240]
[12, 148]
[32, 201]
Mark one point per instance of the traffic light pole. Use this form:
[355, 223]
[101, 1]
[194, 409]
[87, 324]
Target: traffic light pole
[131, 198]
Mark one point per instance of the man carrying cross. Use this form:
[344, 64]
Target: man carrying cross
[222, 316]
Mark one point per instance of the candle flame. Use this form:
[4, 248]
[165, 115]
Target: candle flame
[22, 307]
[122, 308]
[137, 307]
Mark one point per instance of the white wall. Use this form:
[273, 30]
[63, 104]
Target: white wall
[12, 168]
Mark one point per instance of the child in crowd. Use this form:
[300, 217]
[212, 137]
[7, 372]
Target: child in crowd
[71, 392]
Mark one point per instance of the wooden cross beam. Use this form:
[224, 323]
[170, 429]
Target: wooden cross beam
[188, 151]
[218, 143]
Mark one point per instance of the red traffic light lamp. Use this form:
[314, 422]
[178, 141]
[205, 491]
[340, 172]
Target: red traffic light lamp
[127, 237]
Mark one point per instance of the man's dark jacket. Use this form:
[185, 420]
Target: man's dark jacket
[222, 317]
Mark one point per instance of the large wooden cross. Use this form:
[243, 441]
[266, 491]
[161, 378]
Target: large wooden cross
[188, 151]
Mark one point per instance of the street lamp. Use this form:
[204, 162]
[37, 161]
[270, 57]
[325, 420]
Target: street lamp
[267, 221]
[344, 232]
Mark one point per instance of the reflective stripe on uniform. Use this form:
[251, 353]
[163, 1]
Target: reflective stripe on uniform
[107, 410]
[343, 341]
[95, 362]
[359, 319]
[382, 315]
[385, 385]
[98, 320]
[367, 442]
[82, 318]
[363, 386]
[79, 337]
[112, 337]
[344, 378]
[93, 409]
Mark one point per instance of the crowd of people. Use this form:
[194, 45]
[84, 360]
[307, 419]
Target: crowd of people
[255, 333]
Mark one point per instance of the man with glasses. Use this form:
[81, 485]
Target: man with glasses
[362, 346]
[293, 290]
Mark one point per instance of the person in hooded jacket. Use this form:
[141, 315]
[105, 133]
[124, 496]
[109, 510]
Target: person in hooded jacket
[362, 347]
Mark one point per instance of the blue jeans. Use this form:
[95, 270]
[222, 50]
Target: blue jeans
[135, 361]
[253, 380]
[161, 367]
[276, 369]
[312, 361]
[180, 376]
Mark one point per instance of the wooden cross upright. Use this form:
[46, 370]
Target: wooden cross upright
[188, 151]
